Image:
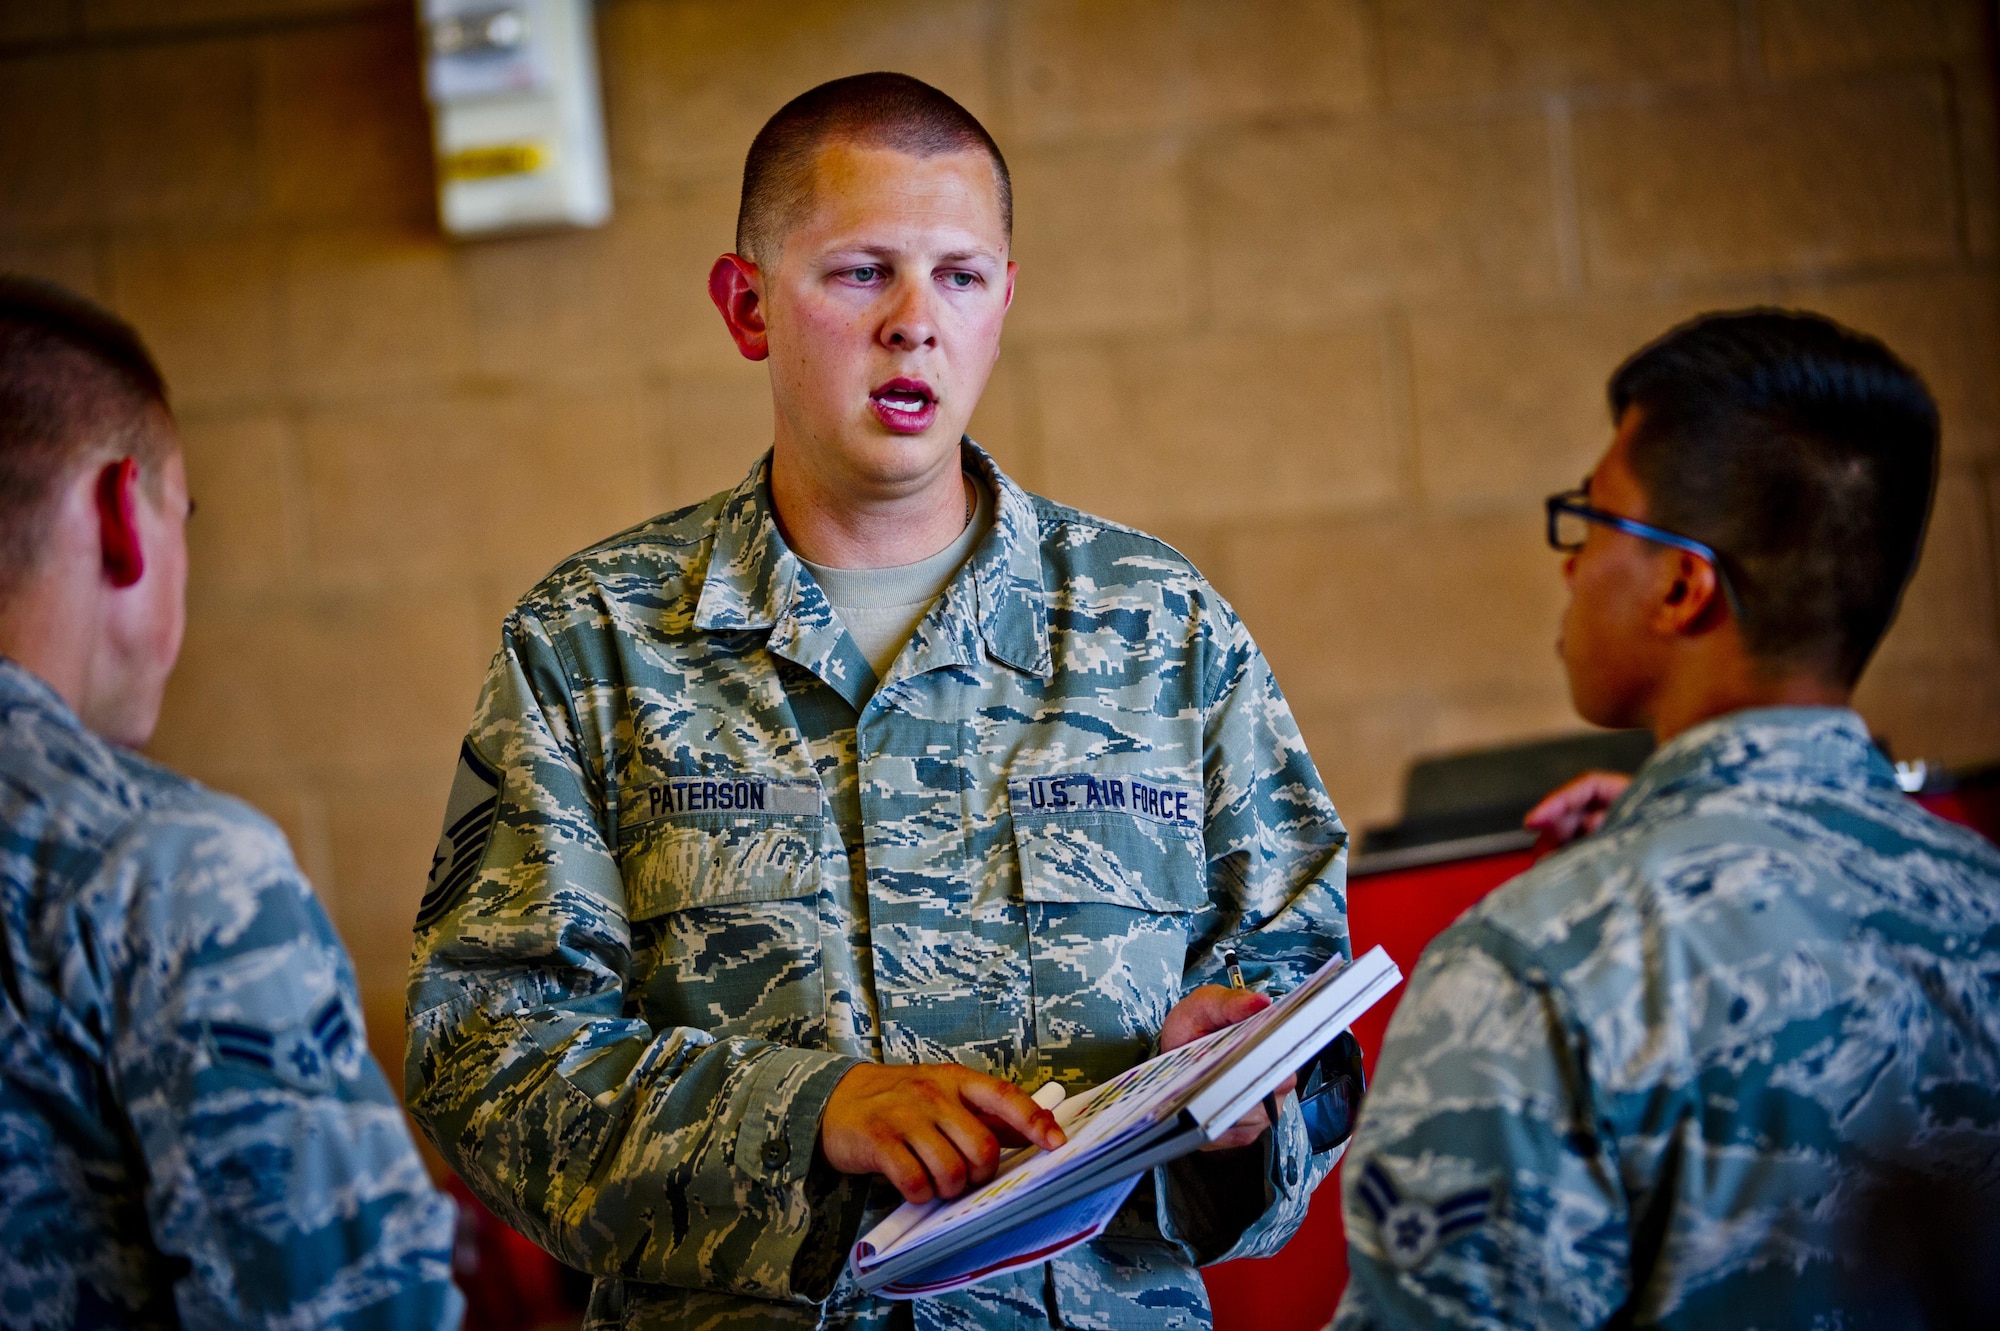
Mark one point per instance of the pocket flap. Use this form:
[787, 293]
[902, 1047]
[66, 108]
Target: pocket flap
[1110, 859]
[672, 865]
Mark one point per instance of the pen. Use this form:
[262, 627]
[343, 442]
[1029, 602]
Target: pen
[1236, 982]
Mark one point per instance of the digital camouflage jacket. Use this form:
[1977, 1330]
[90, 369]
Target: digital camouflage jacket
[697, 863]
[192, 1133]
[1733, 1061]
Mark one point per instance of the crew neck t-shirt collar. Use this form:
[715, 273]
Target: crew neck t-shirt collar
[881, 607]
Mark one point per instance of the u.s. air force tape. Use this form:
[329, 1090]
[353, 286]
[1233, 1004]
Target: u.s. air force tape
[731, 794]
[1079, 792]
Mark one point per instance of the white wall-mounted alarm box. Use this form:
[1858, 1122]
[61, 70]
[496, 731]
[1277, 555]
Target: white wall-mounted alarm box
[516, 116]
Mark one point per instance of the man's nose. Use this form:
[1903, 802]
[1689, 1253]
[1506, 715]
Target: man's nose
[1569, 569]
[909, 324]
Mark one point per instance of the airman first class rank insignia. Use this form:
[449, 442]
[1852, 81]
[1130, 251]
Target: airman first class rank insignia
[1411, 1230]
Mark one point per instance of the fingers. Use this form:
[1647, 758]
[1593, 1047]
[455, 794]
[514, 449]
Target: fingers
[1207, 1010]
[977, 1151]
[1577, 807]
[1253, 1124]
[1013, 1107]
[897, 1163]
[941, 1159]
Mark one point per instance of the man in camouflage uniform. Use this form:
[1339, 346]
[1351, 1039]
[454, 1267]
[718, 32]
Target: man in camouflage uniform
[192, 1132]
[728, 917]
[1734, 1060]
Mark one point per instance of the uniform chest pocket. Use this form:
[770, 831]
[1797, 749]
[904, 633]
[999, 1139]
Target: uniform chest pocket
[718, 860]
[1111, 901]
[725, 916]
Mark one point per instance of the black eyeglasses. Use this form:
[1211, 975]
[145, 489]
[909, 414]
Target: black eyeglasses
[1570, 514]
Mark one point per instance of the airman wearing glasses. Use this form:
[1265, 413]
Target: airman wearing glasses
[1733, 1059]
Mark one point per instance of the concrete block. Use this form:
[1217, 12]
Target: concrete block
[48, 153]
[240, 473]
[1801, 37]
[1003, 422]
[1102, 233]
[1978, 125]
[1947, 326]
[436, 490]
[1510, 405]
[1301, 224]
[629, 295]
[704, 429]
[344, 132]
[24, 21]
[130, 15]
[1947, 714]
[69, 263]
[1355, 608]
[673, 241]
[1479, 48]
[178, 129]
[1951, 613]
[326, 685]
[368, 312]
[1217, 428]
[1811, 177]
[1142, 65]
[383, 834]
[688, 85]
[210, 308]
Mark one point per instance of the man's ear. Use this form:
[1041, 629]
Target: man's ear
[735, 285]
[1692, 601]
[118, 522]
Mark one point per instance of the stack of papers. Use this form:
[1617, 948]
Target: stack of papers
[1042, 1202]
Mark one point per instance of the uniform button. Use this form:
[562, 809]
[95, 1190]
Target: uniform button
[776, 1152]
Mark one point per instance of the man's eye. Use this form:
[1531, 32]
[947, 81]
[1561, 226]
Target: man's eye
[961, 280]
[865, 273]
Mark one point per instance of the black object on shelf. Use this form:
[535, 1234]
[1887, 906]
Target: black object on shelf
[1458, 805]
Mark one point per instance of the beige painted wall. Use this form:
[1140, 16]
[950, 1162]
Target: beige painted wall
[1323, 291]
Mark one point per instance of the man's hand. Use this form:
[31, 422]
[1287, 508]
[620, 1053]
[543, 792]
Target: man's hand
[1577, 808]
[929, 1128]
[1207, 1009]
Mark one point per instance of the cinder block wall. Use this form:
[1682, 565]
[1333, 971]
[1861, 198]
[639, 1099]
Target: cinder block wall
[1323, 291]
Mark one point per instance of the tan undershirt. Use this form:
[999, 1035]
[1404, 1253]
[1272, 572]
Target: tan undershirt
[882, 607]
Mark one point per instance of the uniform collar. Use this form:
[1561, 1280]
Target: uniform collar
[1825, 747]
[21, 686]
[754, 581]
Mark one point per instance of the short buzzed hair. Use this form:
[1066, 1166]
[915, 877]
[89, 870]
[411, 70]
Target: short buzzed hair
[76, 385]
[880, 110]
[1806, 454]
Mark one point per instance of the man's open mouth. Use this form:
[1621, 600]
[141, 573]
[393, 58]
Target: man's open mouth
[906, 406]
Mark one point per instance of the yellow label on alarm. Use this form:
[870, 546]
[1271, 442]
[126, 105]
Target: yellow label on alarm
[489, 160]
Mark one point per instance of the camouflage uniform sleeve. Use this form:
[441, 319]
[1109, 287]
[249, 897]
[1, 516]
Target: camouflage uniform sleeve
[1483, 1188]
[659, 1155]
[1277, 857]
[278, 1164]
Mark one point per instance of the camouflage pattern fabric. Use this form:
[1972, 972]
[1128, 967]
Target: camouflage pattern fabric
[698, 863]
[1733, 1061]
[192, 1133]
